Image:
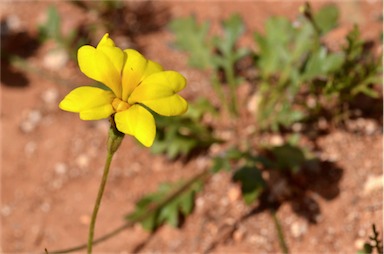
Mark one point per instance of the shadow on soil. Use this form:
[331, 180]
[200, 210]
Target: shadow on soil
[15, 44]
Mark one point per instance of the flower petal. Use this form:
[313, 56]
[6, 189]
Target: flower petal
[103, 64]
[136, 68]
[158, 92]
[92, 103]
[138, 122]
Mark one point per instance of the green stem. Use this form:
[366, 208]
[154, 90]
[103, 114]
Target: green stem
[280, 234]
[114, 141]
[98, 201]
[231, 79]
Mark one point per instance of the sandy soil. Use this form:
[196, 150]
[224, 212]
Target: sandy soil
[52, 161]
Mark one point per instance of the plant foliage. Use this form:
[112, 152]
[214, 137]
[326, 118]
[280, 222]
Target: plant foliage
[169, 212]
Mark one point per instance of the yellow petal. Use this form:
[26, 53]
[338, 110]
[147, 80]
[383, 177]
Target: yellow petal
[136, 68]
[103, 64]
[138, 122]
[106, 41]
[169, 106]
[92, 103]
[158, 92]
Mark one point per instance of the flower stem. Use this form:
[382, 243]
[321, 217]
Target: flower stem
[280, 234]
[114, 141]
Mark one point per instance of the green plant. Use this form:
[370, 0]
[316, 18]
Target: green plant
[182, 136]
[51, 30]
[216, 53]
[295, 64]
[170, 212]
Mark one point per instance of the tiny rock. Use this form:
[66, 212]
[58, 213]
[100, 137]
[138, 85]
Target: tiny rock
[373, 183]
[60, 168]
[56, 59]
[32, 119]
[359, 244]
[299, 228]
[276, 140]
[82, 161]
[239, 234]
[234, 194]
[50, 97]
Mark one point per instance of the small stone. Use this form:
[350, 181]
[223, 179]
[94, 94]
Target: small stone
[14, 23]
[253, 103]
[6, 210]
[82, 161]
[359, 244]
[361, 233]
[373, 183]
[234, 194]
[297, 127]
[299, 228]
[50, 97]
[322, 124]
[55, 59]
[239, 234]
[370, 127]
[276, 140]
[311, 102]
[31, 121]
[61, 168]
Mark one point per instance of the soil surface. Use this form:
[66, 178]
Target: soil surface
[52, 161]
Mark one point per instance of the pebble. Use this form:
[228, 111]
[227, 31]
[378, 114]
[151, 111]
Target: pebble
[234, 194]
[299, 228]
[55, 59]
[276, 140]
[253, 103]
[6, 210]
[82, 161]
[31, 121]
[372, 184]
[61, 168]
[239, 234]
[13, 24]
[50, 98]
[366, 126]
[359, 244]
[297, 127]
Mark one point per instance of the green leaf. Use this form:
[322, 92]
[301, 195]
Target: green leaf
[51, 29]
[233, 28]
[273, 48]
[182, 135]
[288, 157]
[169, 213]
[326, 18]
[322, 63]
[193, 38]
[252, 183]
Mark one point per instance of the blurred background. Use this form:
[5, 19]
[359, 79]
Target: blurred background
[285, 119]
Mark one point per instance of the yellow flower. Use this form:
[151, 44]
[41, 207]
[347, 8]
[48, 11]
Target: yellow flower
[135, 83]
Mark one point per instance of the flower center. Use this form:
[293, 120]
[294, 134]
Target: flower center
[119, 105]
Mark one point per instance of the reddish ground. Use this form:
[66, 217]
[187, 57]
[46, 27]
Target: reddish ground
[52, 161]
